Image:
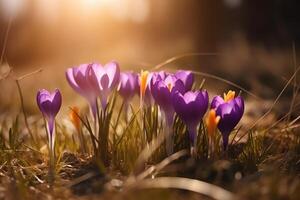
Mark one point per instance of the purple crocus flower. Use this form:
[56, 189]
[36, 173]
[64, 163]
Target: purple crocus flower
[79, 81]
[230, 110]
[128, 86]
[162, 93]
[49, 104]
[191, 108]
[104, 79]
[187, 77]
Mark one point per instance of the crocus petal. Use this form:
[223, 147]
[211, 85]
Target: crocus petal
[71, 81]
[186, 77]
[113, 72]
[104, 82]
[162, 95]
[104, 79]
[56, 101]
[191, 106]
[217, 100]
[128, 85]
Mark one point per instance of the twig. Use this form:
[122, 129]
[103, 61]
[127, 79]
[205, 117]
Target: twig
[175, 58]
[271, 107]
[23, 110]
[227, 82]
[296, 87]
[147, 152]
[6, 39]
[162, 164]
[192, 185]
[17, 80]
[29, 74]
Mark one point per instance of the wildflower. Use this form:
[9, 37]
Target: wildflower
[128, 85]
[186, 77]
[162, 93]
[212, 121]
[191, 108]
[73, 115]
[79, 81]
[104, 79]
[230, 109]
[49, 104]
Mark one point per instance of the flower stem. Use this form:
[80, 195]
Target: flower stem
[51, 137]
[169, 133]
[192, 129]
[142, 120]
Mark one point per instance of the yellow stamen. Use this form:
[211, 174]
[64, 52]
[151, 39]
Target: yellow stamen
[169, 86]
[143, 82]
[74, 117]
[229, 96]
[212, 121]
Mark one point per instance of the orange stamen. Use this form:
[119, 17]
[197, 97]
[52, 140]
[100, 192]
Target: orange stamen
[143, 82]
[212, 121]
[229, 96]
[169, 85]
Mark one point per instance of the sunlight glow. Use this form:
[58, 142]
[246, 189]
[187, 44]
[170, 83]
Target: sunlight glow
[9, 8]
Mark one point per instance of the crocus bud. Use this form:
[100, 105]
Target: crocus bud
[230, 109]
[49, 104]
[162, 93]
[128, 85]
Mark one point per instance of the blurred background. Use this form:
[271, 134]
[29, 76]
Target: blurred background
[254, 41]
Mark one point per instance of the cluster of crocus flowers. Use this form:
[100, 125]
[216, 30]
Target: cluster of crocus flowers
[171, 92]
